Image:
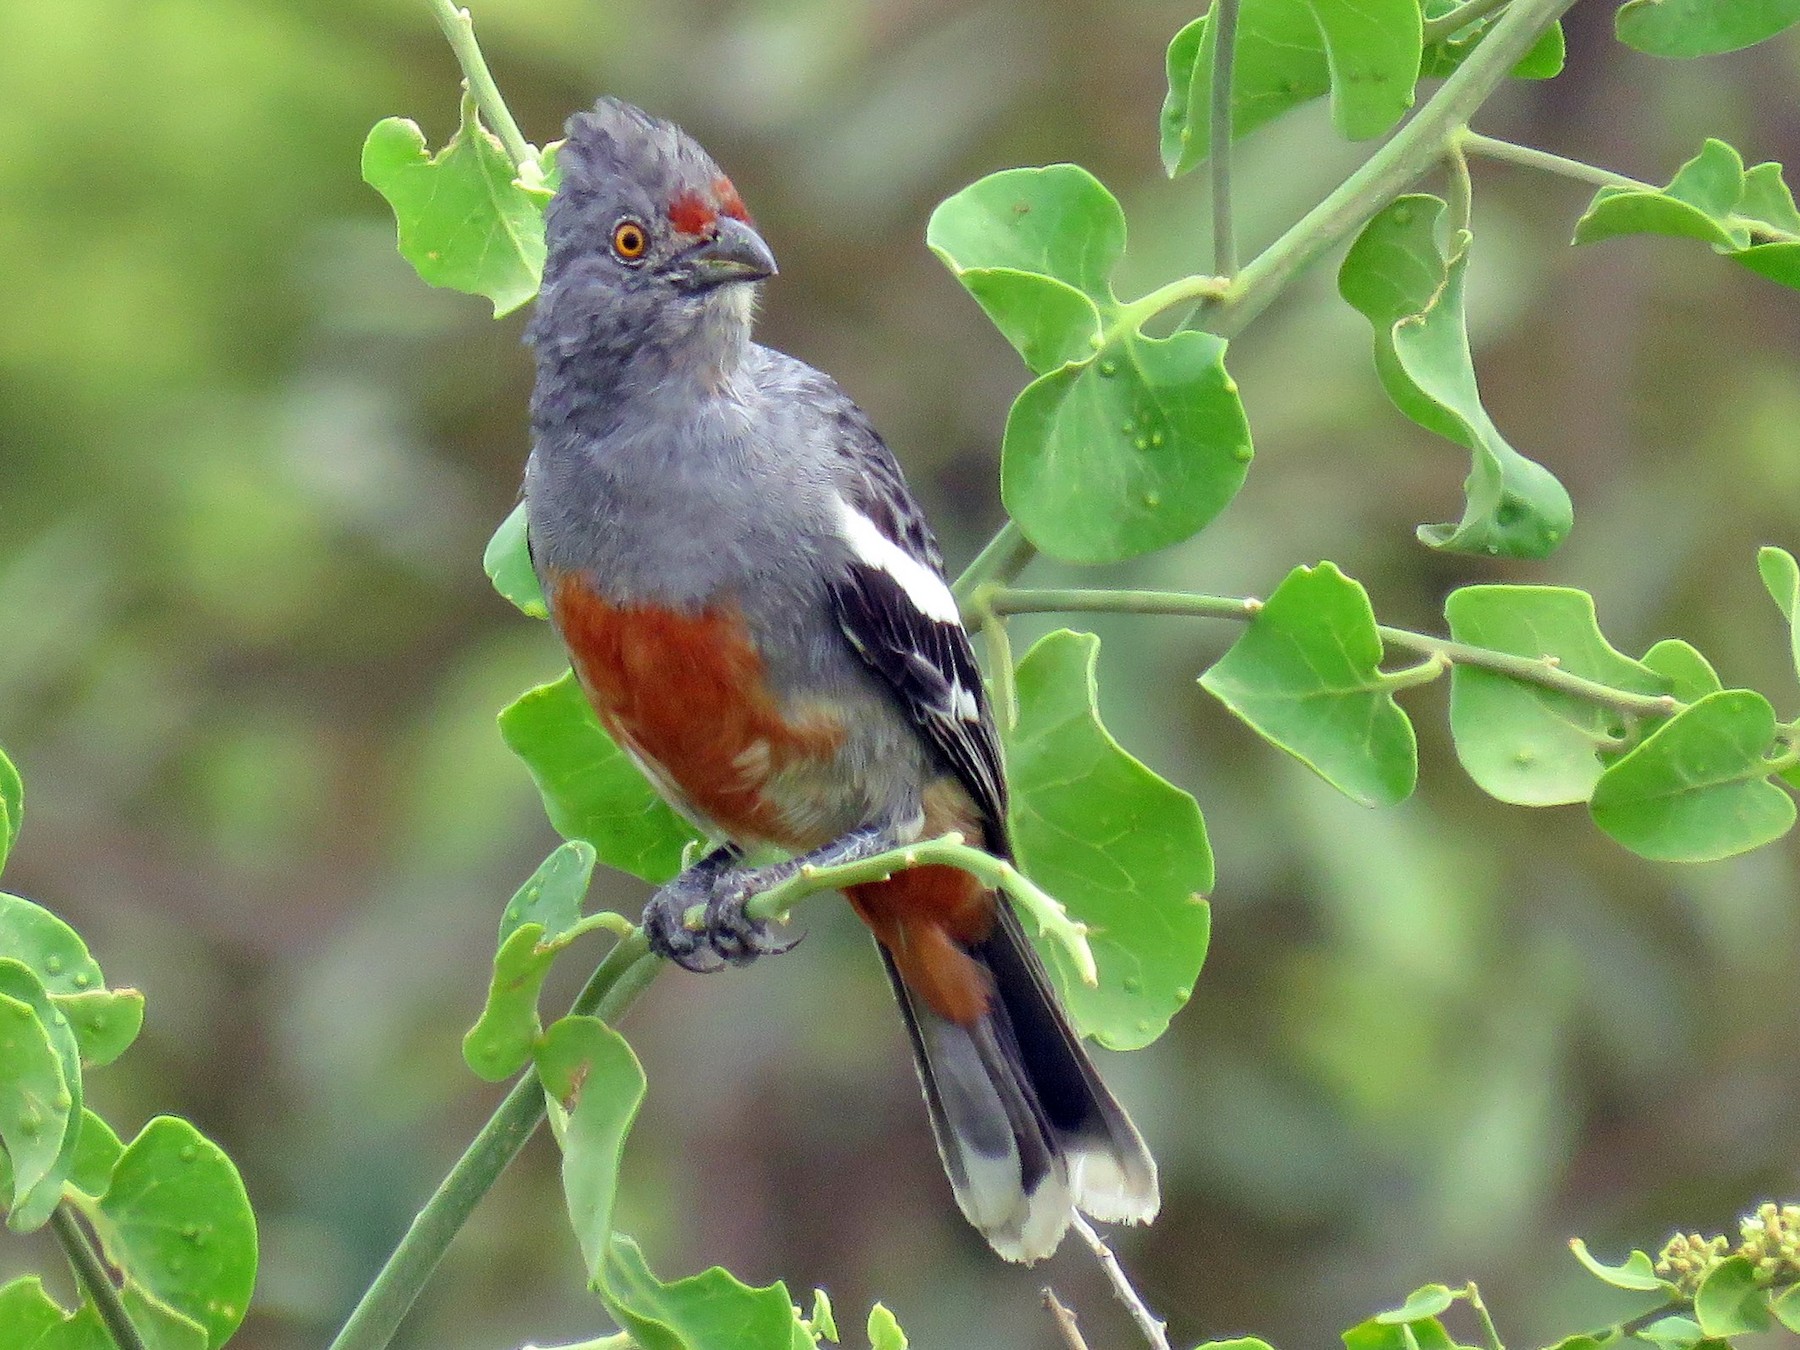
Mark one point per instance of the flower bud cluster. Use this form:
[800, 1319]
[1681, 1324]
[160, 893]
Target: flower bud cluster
[1688, 1258]
[1769, 1240]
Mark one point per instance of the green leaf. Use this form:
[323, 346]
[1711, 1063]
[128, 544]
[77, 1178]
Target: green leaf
[1423, 1303]
[1685, 28]
[1690, 675]
[1786, 1307]
[507, 561]
[1375, 1334]
[97, 1153]
[1781, 576]
[1697, 789]
[1729, 1302]
[1543, 61]
[1306, 676]
[709, 1311]
[884, 1330]
[105, 1021]
[1672, 1333]
[59, 1115]
[162, 1327]
[1036, 248]
[500, 1042]
[176, 1221]
[1746, 214]
[31, 1320]
[821, 1322]
[591, 790]
[35, 1101]
[551, 897]
[594, 1084]
[1236, 1343]
[1132, 451]
[1519, 741]
[12, 806]
[1290, 52]
[1412, 293]
[53, 950]
[1124, 849]
[464, 219]
[1637, 1272]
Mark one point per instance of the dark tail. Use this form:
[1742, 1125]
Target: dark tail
[1027, 1130]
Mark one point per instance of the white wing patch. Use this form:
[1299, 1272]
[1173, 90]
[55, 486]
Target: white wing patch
[963, 704]
[923, 587]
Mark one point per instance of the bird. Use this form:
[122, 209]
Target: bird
[756, 608]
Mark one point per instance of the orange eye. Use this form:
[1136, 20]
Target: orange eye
[629, 240]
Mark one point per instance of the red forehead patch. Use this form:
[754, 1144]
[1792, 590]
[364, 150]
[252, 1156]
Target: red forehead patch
[690, 213]
[730, 204]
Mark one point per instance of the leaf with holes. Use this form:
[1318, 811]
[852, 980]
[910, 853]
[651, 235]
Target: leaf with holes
[1412, 294]
[594, 1085]
[1036, 248]
[1746, 214]
[1697, 789]
[1687, 28]
[465, 220]
[1520, 742]
[1124, 849]
[176, 1221]
[591, 790]
[1130, 452]
[507, 562]
[1289, 52]
[1306, 675]
[709, 1311]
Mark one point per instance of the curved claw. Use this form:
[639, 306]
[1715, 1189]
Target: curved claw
[733, 934]
[669, 936]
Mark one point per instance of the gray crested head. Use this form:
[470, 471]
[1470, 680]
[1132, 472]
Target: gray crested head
[651, 256]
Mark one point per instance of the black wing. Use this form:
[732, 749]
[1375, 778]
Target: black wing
[927, 661]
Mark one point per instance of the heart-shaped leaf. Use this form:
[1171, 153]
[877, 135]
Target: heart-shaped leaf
[1697, 789]
[1135, 450]
[1290, 52]
[1519, 741]
[1684, 28]
[591, 790]
[1124, 849]
[1306, 675]
[465, 220]
[594, 1084]
[1412, 293]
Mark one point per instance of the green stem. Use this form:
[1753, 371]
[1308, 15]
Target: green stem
[1225, 25]
[1005, 556]
[95, 1279]
[1471, 11]
[1431, 668]
[1490, 1334]
[1539, 670]
[1389, 171]
[627, 969]
[459, 30]
[1488, 147]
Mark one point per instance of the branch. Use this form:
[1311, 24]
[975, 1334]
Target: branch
[621, 977]
[1148, 1323]
[91, 1273]
[1539, 670]
[459, 29]
[1066, 1326]
[1004, 557]
[1225, 24]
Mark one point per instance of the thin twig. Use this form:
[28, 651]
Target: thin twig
[1000, 561]
[1224, 36]
[459, 31]
[1490, 1334]
[1490, 147]
[94, 1277]
[1152, 1327]
[1065, 1321]
[1539, 670]
[1461, 190]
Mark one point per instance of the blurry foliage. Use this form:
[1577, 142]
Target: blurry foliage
[247, 466]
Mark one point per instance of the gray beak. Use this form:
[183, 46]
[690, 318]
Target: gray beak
[735, 253]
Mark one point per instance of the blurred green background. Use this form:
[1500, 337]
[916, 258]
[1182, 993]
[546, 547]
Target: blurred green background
[249, 666]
